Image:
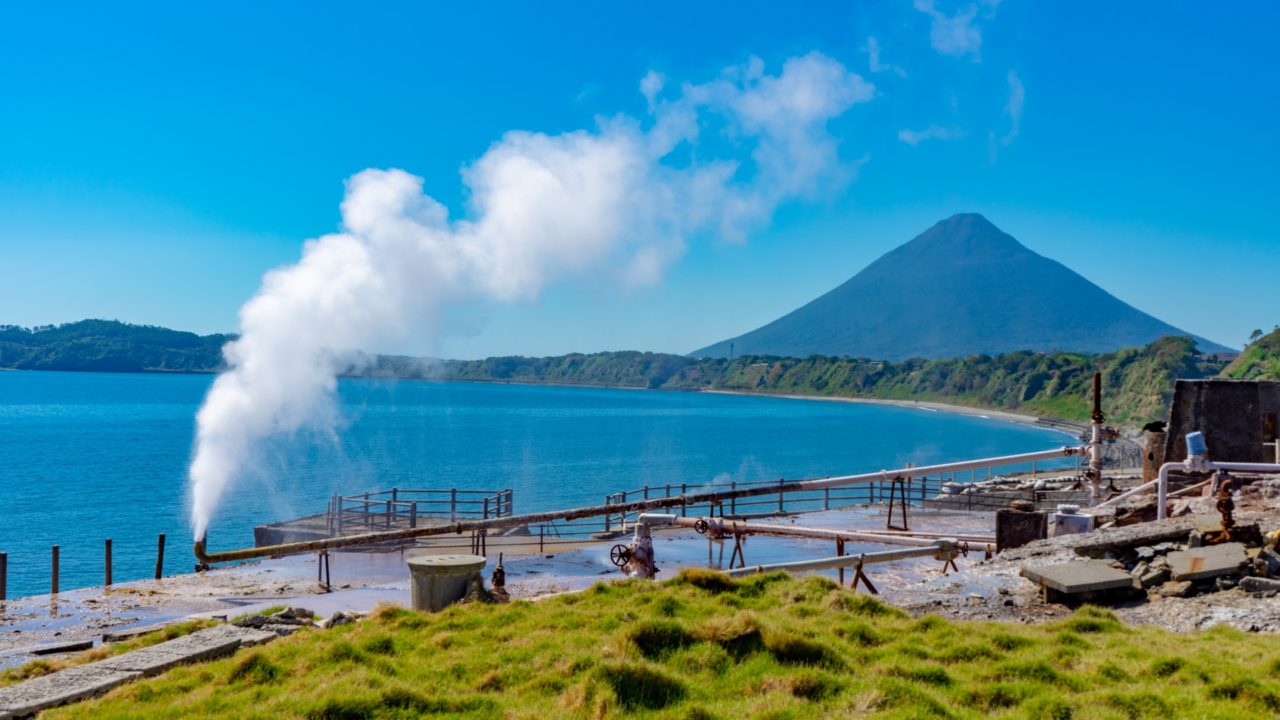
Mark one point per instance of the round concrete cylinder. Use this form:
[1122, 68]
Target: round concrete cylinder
[437, 581]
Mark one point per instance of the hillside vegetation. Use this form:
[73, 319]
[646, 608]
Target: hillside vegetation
[1259, 361]
[1137, 383]
[705, 646]
[108, 346]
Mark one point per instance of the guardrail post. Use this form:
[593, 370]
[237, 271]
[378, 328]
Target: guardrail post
[780, 496]
[733, 501]
[646, 492]
[160, 557]
[453, 504]
[608, 500]
[107, 559]
[486, 507]
[387, 517]
[4, 576]
[54, 591]
[364, 510]
[826, 498]
[684, 509]
[413, 514]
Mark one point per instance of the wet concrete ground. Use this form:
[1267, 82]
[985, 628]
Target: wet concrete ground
[361, 580]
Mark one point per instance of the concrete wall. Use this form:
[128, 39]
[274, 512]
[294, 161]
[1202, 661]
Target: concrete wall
[1232, 415]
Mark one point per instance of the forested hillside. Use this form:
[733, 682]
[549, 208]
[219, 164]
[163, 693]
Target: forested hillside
[108, 346]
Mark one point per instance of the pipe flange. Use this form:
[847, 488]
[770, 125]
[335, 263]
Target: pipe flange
[620, 555]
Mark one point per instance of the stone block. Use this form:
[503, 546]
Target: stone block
[65, 686]
[1015, 528]
[1209, 561]
[1081, 576]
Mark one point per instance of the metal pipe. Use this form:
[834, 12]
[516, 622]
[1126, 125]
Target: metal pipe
[941, 550]
[393, 536]
[734, 527]
[1196, 463]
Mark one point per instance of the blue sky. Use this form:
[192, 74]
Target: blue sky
[156, 159]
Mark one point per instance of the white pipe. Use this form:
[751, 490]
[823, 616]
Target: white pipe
[735, 527]
[941, 550]
[1127, 494]
[1197, 463]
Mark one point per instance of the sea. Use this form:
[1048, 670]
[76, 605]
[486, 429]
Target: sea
[89, 456]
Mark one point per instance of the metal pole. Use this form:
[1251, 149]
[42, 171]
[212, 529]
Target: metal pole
[4, 576]
[453, 504]
[826, 498]
[54, 591]
[684, 509]
[780, 484]
[107, 556]
[733, 501]
[160, 557]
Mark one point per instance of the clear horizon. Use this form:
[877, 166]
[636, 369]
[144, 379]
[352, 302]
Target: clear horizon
[159, 160]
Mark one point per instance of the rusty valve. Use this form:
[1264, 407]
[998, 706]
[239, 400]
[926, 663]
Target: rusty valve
[700, 526]
[620, 555]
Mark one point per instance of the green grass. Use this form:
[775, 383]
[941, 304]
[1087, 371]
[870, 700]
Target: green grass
[706, 646]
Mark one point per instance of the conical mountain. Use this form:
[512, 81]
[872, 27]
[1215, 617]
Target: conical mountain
[960, 288]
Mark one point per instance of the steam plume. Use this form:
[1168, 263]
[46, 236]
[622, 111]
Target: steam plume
[542, 209]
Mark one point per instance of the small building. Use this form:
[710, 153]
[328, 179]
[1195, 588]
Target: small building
[1237, 417]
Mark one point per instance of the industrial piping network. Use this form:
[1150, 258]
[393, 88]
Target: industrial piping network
[1197, 462]
[1093, 451]
[637, 559]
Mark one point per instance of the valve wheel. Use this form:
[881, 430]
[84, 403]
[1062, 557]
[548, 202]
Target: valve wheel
[700, 526]
[619, 555]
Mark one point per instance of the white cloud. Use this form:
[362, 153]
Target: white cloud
[650, 85]
[874, 64]
[933, 132]
[606, 205]
[956, 35]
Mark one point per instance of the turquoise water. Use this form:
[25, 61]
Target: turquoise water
[87, 456]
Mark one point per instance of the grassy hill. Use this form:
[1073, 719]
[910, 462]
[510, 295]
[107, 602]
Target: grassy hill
[1259, 361]
[108, 346]
[704, 646]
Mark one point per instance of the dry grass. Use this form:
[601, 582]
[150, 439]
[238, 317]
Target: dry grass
[704, 646]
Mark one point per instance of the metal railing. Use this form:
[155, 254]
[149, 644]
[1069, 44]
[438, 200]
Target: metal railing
[407, 507]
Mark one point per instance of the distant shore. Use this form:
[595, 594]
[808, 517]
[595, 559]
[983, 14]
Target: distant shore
[921, 405]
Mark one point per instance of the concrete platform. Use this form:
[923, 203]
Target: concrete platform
[65, 686]
[85, 681]
[1208, 562]
[1076, 578]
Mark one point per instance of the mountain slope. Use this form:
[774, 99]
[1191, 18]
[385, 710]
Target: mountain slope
[960, 288]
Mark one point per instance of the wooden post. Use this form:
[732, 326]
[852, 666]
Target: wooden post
[780, 496]
[107, 556]
[453, 504]
[387, 519]
[684, 509]
[160, 557]
[486, 507]
[54, 591]
[826, 498]
[413, 514]
[4, 576]
[733, 501]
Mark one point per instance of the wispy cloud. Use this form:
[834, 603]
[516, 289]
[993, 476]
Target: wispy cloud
[957, 35]
[874, 64]
[1017, 95]
[1012, 108]
[933, 132]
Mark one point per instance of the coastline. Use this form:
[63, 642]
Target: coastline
[1051, 423]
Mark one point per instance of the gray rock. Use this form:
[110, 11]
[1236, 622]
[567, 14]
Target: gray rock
[1154, 577]
[1259, 585]
[1176, 588]
[1145, 553]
